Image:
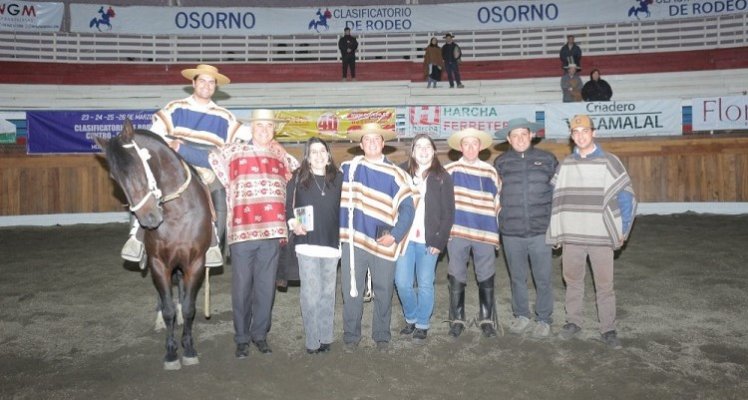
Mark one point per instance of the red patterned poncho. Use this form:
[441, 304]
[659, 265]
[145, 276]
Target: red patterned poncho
[255, 181]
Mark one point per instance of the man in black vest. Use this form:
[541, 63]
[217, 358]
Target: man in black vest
[526, 195]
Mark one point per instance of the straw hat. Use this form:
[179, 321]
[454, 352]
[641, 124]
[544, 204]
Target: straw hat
[371, 128]
[191, 73]
[456, 138]
[261, 114]
[516, 123]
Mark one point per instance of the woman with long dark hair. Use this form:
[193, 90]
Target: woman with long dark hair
[427, 236]
[312, 211]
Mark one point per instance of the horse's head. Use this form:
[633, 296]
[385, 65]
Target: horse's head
[129, 167]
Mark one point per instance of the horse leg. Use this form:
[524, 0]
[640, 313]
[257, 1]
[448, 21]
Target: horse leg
[162, 280]
[193, 278]
[179, 279]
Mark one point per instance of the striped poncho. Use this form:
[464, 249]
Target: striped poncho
[593, 202]
[255, 192]
[373, 193]
[477, 188]
[199, 127]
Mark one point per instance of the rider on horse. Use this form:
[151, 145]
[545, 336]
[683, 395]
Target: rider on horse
[193, 127]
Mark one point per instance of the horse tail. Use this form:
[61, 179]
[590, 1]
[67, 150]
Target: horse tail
[311, 24]
[92, 23]
[632, 10]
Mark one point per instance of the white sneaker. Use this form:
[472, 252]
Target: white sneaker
[519, 325]
[542, 330]
[213, 257]
[133, 250]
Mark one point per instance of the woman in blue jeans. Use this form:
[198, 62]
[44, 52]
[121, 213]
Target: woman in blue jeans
[416, 267]
[312, 211]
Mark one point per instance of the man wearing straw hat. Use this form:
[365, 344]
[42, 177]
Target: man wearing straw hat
[526, 194]
[376, 211]
[476, 188]
[255, 175]
[193, 127]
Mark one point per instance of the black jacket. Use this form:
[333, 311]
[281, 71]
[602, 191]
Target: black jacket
[526, 191]
[345, 43]
[598, 90]
[326, 209]
[440, 209]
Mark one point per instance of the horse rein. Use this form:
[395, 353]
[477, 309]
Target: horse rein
[153, 189]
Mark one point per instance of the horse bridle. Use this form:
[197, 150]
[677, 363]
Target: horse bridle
[153, 190]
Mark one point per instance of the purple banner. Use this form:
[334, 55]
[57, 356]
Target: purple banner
[74, 131]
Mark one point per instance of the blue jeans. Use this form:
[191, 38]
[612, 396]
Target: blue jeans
[518, 252]
[417, 264]
[318, 278]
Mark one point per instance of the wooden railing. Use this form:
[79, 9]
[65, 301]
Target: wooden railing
[623, 38]
[686, 169]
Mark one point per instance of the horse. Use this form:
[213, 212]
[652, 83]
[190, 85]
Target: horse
[643, 7]
[322, 21]
[173, 205]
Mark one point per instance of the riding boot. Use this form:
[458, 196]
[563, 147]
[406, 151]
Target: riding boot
[487, 316]
[456, 306]
[133, 250]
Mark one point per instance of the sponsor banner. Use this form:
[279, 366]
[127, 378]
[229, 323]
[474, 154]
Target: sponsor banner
[618, 118]
[25, 16]
[441, 121]
[7, 132]
[720, 113]
[329, 124]
[476, 16]
[74, 131]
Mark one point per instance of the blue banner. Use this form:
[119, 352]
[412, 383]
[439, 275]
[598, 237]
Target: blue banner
[53, 132]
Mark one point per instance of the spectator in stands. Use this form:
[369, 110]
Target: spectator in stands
[526, 193]
[193, 127]
[591, 216]
[596, 89]
[348, 46]
[427, 237]
[452, 56]
[315, 188]
[571, 85]
[376, 211]
[475, 230]
[255, 175]
[570, 53]
[433, 62]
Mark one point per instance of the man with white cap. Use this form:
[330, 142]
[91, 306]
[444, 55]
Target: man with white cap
[526, 194]
[255, 175]
[193, 127]
[591, 217]
[476, 188]
[376, 211]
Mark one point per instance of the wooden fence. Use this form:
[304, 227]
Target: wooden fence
[683, 169]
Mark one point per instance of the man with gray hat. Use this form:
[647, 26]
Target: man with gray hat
[193, 127]
[526, 195]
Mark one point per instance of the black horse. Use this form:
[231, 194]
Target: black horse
[172, 204]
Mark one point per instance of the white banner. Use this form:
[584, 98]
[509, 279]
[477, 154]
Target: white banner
[618, 118]
[720, 113]
[386, 19]
[440, 122]
[23, 16]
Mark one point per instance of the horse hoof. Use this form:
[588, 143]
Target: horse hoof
[190, 360]
[172, 365]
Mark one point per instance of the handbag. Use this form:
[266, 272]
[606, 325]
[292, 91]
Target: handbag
[288, 263]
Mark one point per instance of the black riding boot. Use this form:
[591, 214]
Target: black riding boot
[456, 306]
[487, 317]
